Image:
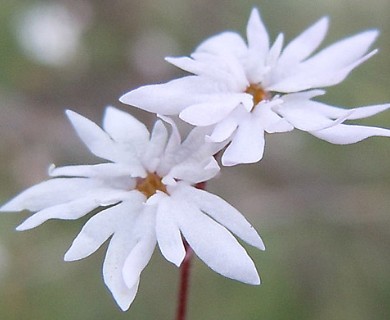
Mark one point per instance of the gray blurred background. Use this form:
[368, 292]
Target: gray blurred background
[322, 210]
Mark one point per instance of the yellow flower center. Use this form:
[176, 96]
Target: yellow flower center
[257, 92]
[149, 185]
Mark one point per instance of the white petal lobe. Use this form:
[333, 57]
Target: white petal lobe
[347, 134]
[215, 245]
[222, 212]
[168, 233]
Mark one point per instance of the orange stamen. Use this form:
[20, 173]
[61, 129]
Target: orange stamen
[150, 185]
[257, 92]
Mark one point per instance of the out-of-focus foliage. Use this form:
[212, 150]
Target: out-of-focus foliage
[323, 210]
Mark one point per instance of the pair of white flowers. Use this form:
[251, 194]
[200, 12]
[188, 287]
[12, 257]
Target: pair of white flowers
[147, 190]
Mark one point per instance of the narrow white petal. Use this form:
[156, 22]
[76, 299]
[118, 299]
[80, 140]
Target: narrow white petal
[192, 161]
[102, 170]
[97, 141]
[101, 226]
[223, 69]
[77, 208]
[274, 52]
[215, 245]
[169, 98]
[156, 146]
[346, 134]
[174, 139]
[168, 234]
[303, 45]
[247, 145]
[195, 145]
[223, 130]
[305, 95]
[138, 258]
[222, 212]
[308, 77]
[193, 142]
[269, 120]
[303, 115]
[209, 113]
[344, 52]
[223, 42]
[257, 35]
[118, 249]
[123, 127]
[194, 170]
[329, 67]
[67, 211]
[356, 113]
[189, 65]
[50, 193]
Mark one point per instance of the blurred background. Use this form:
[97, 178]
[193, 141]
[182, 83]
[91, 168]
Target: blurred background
[322, 210]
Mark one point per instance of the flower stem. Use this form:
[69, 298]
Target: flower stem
[184, 283]
[185, 269]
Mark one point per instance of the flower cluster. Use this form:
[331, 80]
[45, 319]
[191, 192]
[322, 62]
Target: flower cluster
[244, 90]
[147, 189]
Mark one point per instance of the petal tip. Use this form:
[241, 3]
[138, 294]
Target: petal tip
[10, 207]
[23, 227]
[255, 13]
[69, 256]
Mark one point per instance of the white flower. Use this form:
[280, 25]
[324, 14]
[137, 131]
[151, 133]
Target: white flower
[245, 90]
[146, 196]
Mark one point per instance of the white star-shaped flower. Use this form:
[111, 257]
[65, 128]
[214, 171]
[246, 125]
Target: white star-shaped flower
[244, 90]
[145, 195]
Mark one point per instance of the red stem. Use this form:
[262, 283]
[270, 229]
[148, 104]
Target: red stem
[184, 283]
[185, 269]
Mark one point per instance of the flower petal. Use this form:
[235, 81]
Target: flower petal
[68, 211]
[344, 52]
[156, 146]
[102, 170]
[97, 141]
[74, 209]
[303, 45]
[208, 113]
[214, 244]
[247, 145]
[346, 134]
[194, 142]
[223, 130]
[303, 115]
[141, 253]
[102, 225]
[329, 67]
[225, 69]
[123, 127]
[222, 212]
[223, 42]
[268, 119]
[174, 139]
[169, 98]
[50, 193]
[168, 233]
[118, 249]
[257, 35]
[137, 260]
[194, 170]
[274, 53]
[356, 113]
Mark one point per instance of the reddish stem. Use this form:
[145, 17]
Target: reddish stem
[184, 283]
[185, 269]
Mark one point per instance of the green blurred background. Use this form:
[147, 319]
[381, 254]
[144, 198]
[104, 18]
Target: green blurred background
[322, 210]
